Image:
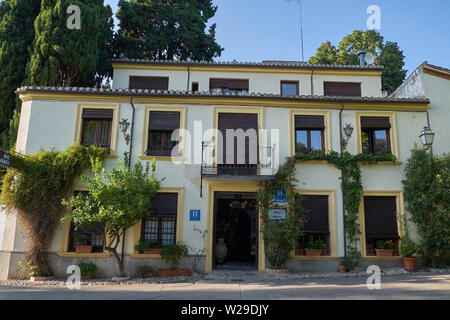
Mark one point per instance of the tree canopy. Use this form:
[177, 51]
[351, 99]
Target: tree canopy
[387, 54]
[167, 30]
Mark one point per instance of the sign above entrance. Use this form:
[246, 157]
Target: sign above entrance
[277, 214]
[5, 159]
[194, 215]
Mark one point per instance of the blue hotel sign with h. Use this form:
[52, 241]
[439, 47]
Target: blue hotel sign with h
[194, 215]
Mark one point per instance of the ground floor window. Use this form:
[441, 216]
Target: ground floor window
[316, 227]
[160, 227]
[93, 236]
[380, 220]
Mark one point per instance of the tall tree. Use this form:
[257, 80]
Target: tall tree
[387, 54]
[16, 38]
[63, 56]
[167, 30]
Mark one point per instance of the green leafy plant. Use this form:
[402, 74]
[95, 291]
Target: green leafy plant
[33, 270]
[81, 239]
[172, 254]
[408, 248]
[34, 188]
[280, 235]
[427, 198]
[222, 228]
[87, 269]
[143, 271]
[350, 262]
[316, 244]
[144, 245]
[385, 244]
[118, 199]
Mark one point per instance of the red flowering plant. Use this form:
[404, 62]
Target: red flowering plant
[280, 236]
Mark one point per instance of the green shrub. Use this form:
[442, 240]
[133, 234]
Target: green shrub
[350, 262]
[316, 244]
[87, 268]
[408, 248]
[142, 271]
[80, 239]
[173, 253]
[385, 245]
[144, 245]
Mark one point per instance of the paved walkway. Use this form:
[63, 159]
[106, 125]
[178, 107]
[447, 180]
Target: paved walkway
[243, 287]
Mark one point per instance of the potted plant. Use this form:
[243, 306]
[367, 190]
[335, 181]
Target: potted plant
[144, 272]
[81, 243]
[348, 263]
[408, 248]
[87, 270]
[221, 247]
[172, 254]
[148, 247]
[384, 248]
[314, 248]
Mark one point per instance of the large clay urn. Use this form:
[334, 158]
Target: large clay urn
[221, 250]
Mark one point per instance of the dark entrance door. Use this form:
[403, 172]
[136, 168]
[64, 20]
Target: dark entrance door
[236, 211]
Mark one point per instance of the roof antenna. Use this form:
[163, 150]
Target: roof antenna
[301, 29]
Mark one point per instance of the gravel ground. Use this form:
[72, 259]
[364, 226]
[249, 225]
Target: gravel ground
[222, 276]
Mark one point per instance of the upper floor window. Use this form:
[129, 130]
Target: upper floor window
[160, 227]
[96, 127]
[228, 85]
[309, 133]
[352, 89]
[289, 88]
[150, 83]
[375, 135]
[161, 126]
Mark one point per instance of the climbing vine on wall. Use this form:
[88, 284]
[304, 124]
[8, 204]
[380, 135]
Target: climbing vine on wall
[35, 187]
[280, 235]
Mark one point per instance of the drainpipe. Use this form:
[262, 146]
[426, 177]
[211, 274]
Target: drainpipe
[342, 176]
[188, 79]
[129, 163]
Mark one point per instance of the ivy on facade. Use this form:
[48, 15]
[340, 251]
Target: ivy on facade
[34, 188]
[351, 186]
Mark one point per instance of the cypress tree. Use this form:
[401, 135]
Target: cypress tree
[16, 38]
[167, 30]
[63, 56]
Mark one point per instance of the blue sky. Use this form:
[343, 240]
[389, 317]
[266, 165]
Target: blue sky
[256, 30]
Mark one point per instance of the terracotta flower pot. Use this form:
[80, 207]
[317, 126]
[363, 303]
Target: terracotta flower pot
[153, 251]
[221, 250]
[313, 252]
[86, 277]
[410, 263]
[83, 249]
[173, 273]
[384, 252]
[342, 268]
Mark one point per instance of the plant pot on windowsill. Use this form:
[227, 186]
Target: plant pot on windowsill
[153, 251]
[384, 252]
[313, 252]
[83, 249]
[173, 272]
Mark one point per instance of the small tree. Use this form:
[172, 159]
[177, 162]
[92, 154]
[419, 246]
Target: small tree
[118, 199]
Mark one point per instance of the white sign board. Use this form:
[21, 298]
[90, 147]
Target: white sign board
[277, 214]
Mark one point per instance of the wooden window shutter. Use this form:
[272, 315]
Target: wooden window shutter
[375, 123]
[316, 215]
[236, 84]
[164, 121]
[98, 114]
[380, 217]
[164, 204]
[237, 121]
[150, 83]
[347, 89]
[309, 122]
